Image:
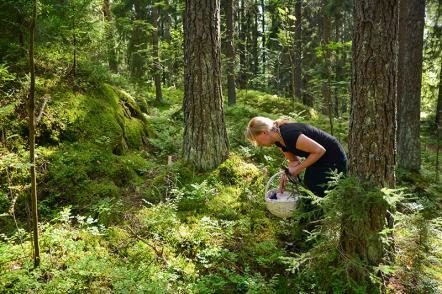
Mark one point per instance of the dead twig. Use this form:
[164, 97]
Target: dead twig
[160, 254]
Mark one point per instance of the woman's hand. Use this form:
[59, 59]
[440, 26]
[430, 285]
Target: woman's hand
[295, 168]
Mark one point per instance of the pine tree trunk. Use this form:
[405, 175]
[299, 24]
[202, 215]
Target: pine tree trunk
[74, 43]
[372, 130]
[411, 29]
[338, 64]
[439, 102]
[242, 79]
[230, 54]
[156, 56]
[326, 94]
[255, 40]
[439, 125]
[291, 55]
[205, 138]
[31, 122]
[298, 50]
[137, 43]
[111, 52]
[263, 37]
[249, 31]
[165, 22]
[373, 117]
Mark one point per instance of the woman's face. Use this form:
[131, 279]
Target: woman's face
[264, 139]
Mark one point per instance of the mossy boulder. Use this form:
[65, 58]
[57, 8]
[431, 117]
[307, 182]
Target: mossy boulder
[104, 115]
[82, 173]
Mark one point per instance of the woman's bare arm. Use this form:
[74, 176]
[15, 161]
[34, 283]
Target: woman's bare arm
[308, 145]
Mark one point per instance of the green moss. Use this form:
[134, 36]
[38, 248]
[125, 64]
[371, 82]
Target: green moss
[83, 173]
[105, 114]
[226, 204]
[135, 133]
[235, 170]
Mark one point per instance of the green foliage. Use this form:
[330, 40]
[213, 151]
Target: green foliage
[166, 135]
[419, 243]
[80, 259]
[272, 104]
[102, 151]
[194, 196]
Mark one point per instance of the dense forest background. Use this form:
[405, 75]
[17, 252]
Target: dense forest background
[126, 118]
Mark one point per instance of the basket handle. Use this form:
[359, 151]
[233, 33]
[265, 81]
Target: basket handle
[271, 180]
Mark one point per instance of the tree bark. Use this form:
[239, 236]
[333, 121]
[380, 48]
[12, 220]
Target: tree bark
[242, 78]
[231, 57]
[165, 21]
[439, 102]
[31, 123]
[137, 43]
[372, 132]
[338, 63]
[255, 35]
[205, 137]
[156, 56]
[74, 42]
[263, 37]
[326, 94]
[411, 29]
[249, 31]
[439, 124]
[111, 52]
[298, 50]
[373, 92]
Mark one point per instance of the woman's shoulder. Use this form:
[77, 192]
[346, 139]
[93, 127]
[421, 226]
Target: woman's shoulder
[293, 126]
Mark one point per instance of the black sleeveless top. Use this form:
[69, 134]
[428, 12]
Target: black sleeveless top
[334, 153]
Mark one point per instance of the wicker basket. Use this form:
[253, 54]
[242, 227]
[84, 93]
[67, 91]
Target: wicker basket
[285, 205]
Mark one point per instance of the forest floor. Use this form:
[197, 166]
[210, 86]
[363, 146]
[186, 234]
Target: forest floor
[116, 217]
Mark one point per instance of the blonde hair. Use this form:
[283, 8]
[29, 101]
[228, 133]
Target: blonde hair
[260, 124]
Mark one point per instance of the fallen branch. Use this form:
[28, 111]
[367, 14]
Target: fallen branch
[159, 253]
[40, 114]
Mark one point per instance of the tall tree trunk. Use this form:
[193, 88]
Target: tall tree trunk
[411, 29]
[205, 136]
[439, 124]
[166, 24]
[338, 63]
[255, 36]
[137, 43]
[291, 55]
[275, 24]
[249, 41]
[156, 56]
[326, 94]
[111, 52]
[298, 50]
[231, 57]
[242, 79]
[263, 36]
[372, 131]
[373, 116]
[439, 102]
[165, 21]
[31, 123]
[74, 42]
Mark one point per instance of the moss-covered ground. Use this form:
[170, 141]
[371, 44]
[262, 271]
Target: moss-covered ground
[117, 218]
